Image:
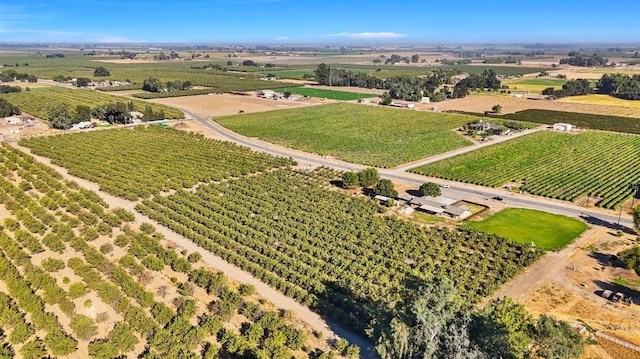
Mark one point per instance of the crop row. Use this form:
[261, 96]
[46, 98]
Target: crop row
[329, 249]
[53, 224]
[38, 101]
[551, 164]
[149, 159]
[165, 94]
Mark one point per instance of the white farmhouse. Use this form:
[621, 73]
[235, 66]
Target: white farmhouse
[562, 127]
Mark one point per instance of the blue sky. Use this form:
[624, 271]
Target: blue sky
[328, 21]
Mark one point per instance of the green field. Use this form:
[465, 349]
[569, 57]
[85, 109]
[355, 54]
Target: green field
[583, 120]
[329, 94]
[38, 101]
[552, 164]
[371, 135]
[547, 231]
[533, 84]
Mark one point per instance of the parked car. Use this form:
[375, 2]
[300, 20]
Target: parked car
[443, 185]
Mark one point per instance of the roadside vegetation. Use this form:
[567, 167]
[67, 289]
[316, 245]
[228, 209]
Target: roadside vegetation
[547, 231]
[369, 135]
[596, 164]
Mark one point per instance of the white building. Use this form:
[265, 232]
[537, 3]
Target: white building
[562, 127]
[266, 93]
[13, 120]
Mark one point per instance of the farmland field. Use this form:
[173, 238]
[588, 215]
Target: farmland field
[524, 226]
[149, 160]
[83, 280]
[370, 135]
[330, 94]
[601, 100]
[75, 65]
[582, 120]
[556, 165]
[38, 101]
[519, 85]
[328, 249]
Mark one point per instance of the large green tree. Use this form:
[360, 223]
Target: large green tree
[630, 257]
[503, 329]
[101, 71]
[152, 84]
[555, 339]
[368, 177]
[384, 187]
[430, 189]
[350, 179]
[7, 109]
[636, 218]
[60, 117]
[420, 319]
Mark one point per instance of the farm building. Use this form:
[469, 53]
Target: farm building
[457, 212]
[562, 127]
[488, 127]
[441, 205]
[266, 93]
[13, 120]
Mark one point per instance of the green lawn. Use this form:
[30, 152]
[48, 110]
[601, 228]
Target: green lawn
[547, 231]
[371, 135]
[330, 94]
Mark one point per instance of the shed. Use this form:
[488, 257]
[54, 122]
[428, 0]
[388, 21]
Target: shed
[562, 126]
[381, 198]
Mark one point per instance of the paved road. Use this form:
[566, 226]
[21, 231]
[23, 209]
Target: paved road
[459, 151]
[455, 190]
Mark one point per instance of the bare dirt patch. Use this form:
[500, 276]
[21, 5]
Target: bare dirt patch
[570, 286]
[228, 104]
[481, 103]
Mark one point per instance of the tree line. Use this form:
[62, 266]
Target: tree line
[7, 109]
[570, 88]
[618, 85]
[13, 75]
[433, 321]
[399, 87]
[576, 59]
[62, 116]
[153, 84]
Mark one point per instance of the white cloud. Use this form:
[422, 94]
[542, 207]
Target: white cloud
[283, 38]
[369, 35]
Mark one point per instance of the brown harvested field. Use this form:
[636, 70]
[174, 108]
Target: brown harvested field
[228, 104]
[574, 295]
[481, 103]
[128, 61]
